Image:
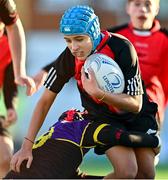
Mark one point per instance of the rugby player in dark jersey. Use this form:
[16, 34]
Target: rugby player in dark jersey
[129, 111]
[151, 43]
[16, 37]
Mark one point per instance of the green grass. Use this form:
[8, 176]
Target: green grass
[20, 105]
[100, 166]
[162, 172]
[2, 107]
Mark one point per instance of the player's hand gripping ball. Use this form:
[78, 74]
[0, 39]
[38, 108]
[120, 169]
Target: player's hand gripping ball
[107, 72]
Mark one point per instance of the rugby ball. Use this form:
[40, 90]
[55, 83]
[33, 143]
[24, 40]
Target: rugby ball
[107, 72]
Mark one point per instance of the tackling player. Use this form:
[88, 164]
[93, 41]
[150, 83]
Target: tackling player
[59, 152]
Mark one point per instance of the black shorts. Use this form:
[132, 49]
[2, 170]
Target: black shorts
[144, 122]
[53, 160]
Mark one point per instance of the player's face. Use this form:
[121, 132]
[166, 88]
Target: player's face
[79, 45]
[142, 13]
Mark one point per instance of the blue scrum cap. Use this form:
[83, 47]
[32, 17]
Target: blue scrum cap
[81, 20]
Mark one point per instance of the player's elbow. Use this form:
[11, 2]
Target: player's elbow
[137, 104]
[137, 108]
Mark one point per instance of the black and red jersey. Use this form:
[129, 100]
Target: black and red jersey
[6, 73]
[152, 50]
[8, 13]
[116, 47]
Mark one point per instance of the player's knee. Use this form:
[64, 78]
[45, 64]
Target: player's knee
[5, 161]
[146, 174]
[4, 165]
[129, 172]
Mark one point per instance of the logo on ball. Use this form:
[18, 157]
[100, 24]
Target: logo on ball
[107, 72]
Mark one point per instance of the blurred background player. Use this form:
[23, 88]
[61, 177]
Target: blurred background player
[16, 37]
[9, 89]
[151, 44]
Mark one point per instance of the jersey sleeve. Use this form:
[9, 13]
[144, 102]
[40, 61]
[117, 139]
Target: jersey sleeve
[130, 67]
[60, 72]
[49, 66]
[8, 12]
[164, 72]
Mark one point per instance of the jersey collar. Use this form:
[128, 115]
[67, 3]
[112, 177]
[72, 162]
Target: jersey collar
[105, 37]
[155, 27]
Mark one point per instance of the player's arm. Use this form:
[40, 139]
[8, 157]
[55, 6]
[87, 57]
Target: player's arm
[121, 101]
[131, 99]
[39, 114]
[164, 64]
[16, 38]
[57, 77]
[106, 134]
